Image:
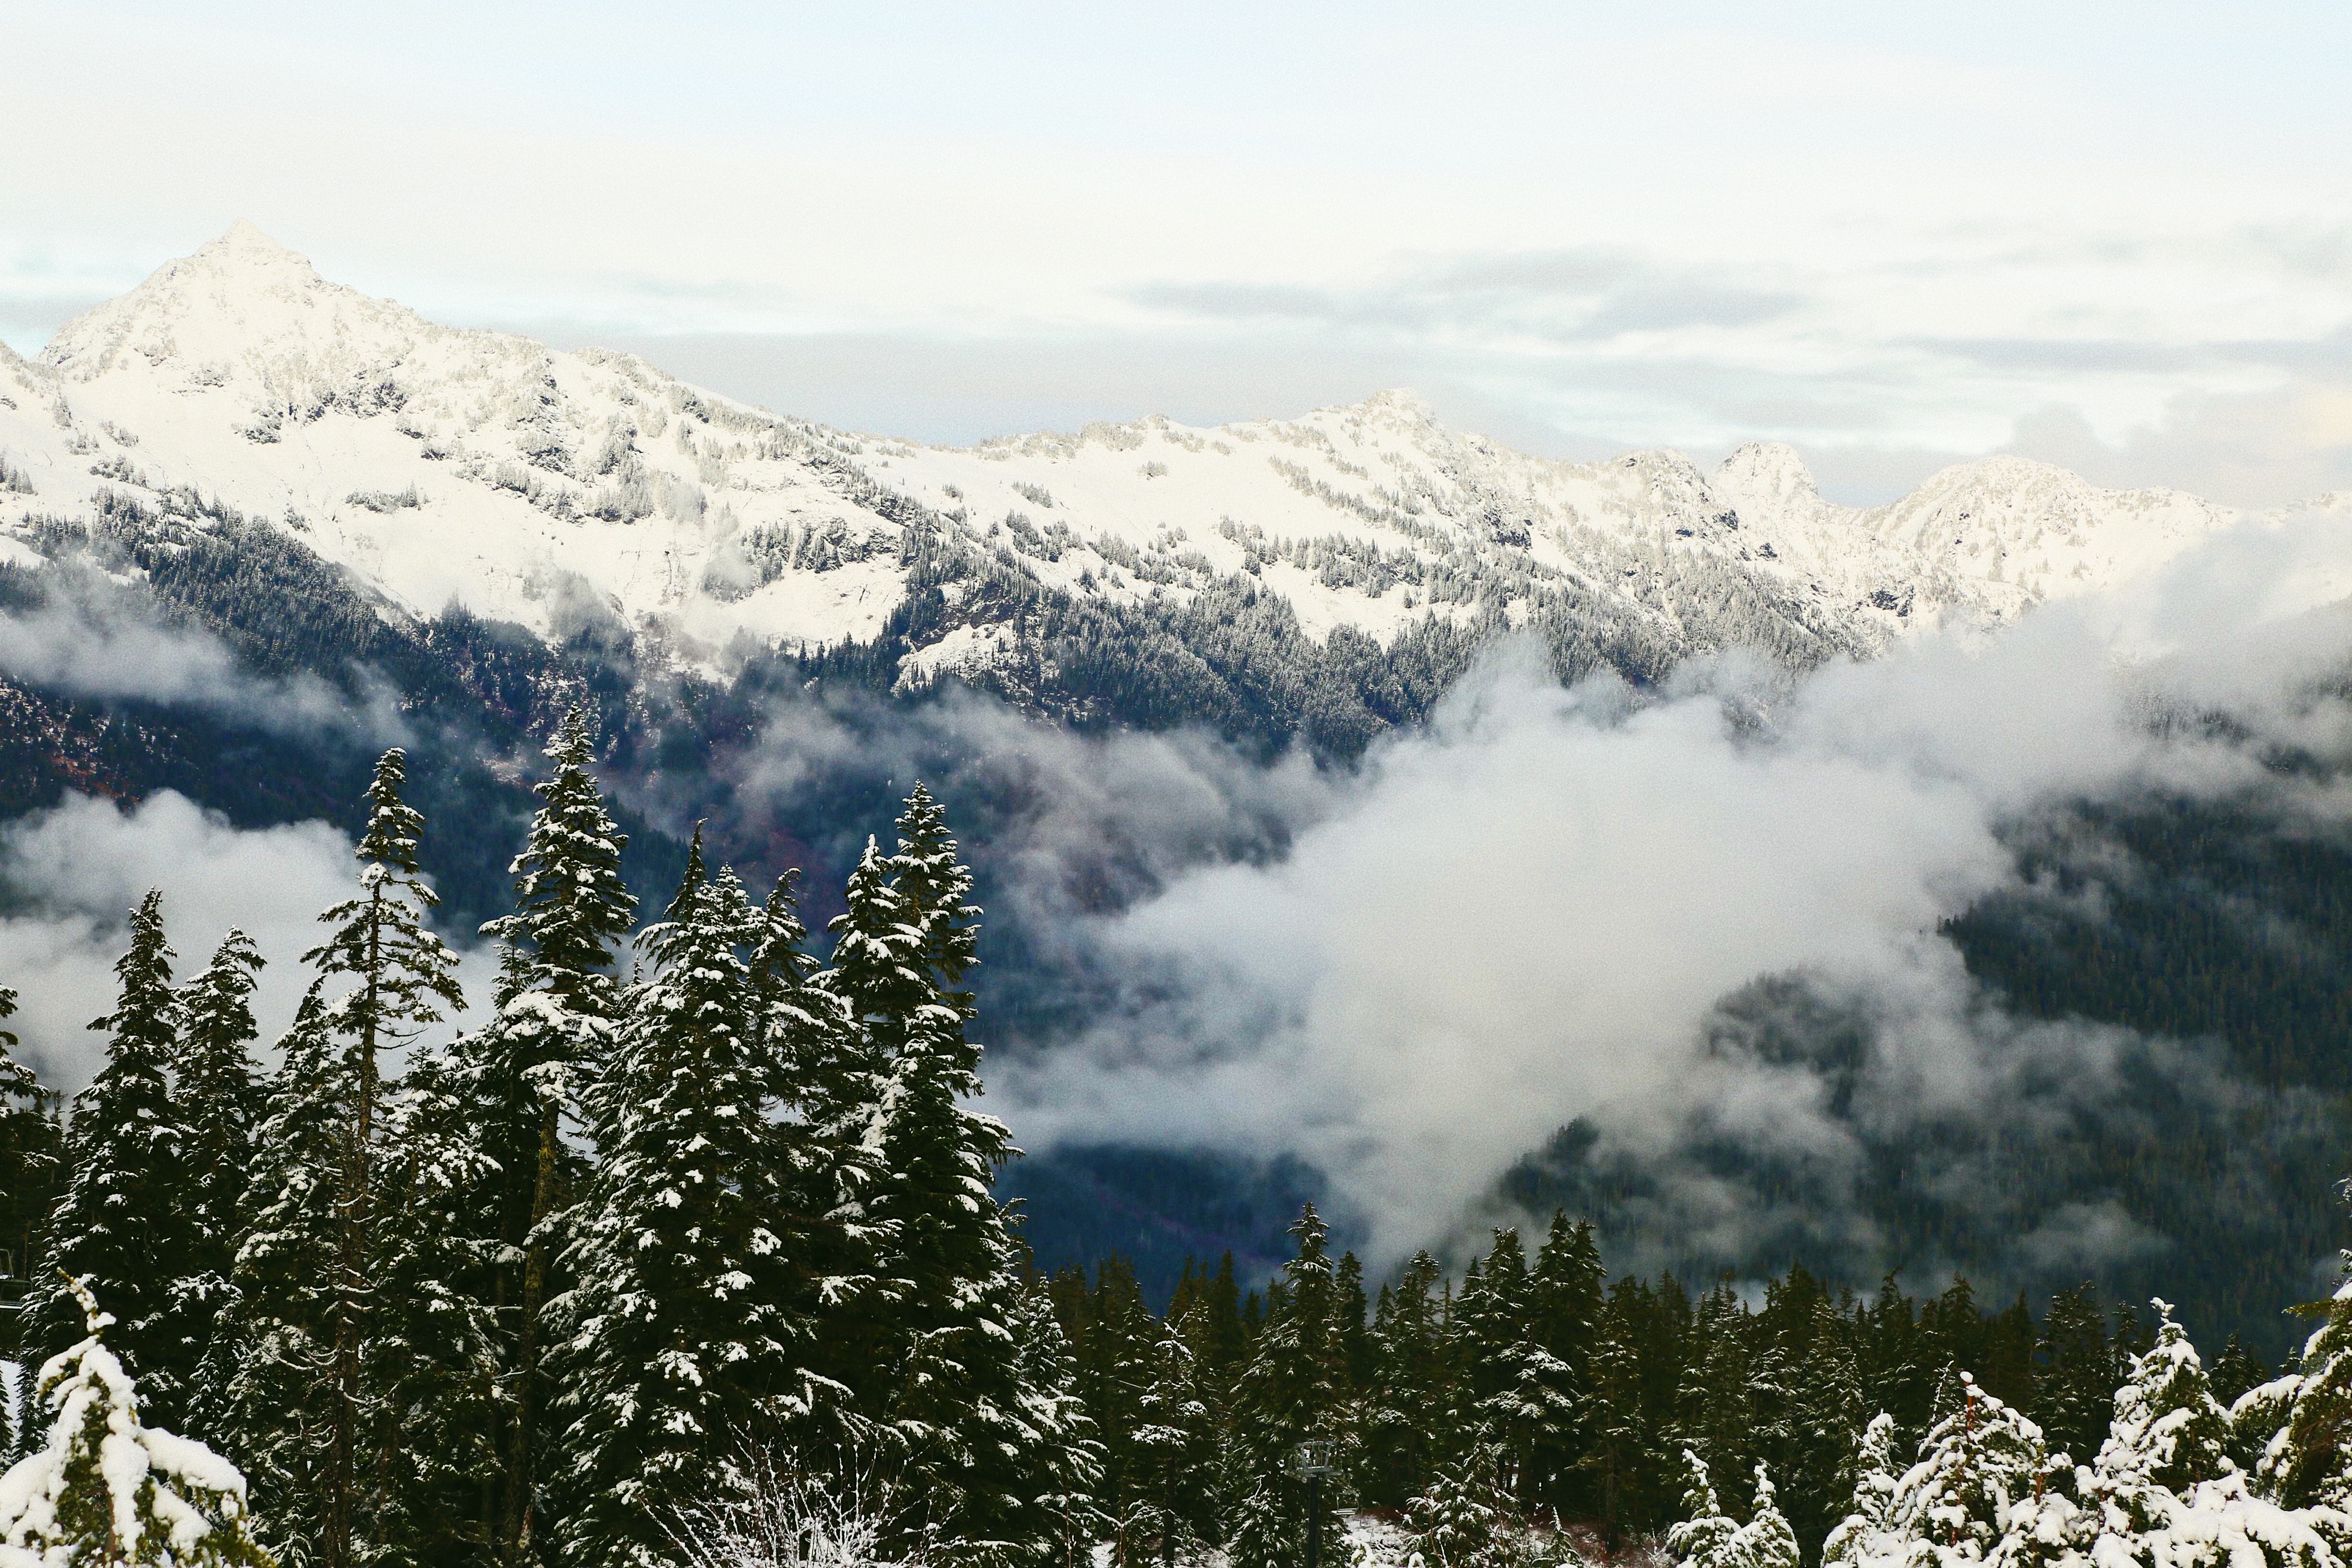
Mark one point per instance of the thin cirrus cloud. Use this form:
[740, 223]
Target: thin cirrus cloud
[1581, 296]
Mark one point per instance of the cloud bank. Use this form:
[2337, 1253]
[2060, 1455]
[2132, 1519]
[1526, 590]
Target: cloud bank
[1535, 913]
[84, 646]
[71, 874]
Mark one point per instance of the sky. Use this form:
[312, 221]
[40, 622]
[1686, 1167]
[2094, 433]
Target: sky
[2113, 236]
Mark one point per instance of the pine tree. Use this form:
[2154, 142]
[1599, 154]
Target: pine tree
[1703, 1537]
[1824, 1420]
[1293, 1391]
[401, 975]
[2169, 1432]
[528, 1072]
[1067, 1457]
[1565, 1295]
[679, 1325]
[873, 982]
[220, 1092]
[1868, 1531]
[964, 1423]
[2165, 1491]
[2074, 1390]
[1116, 1356]
[2308, 1462]
[1617, 1435]
[267, 1385]
[1978, 1459]
[1174, 1449]
[2236, 1373]
[1528, 1397]
[111, 1491]
[1717, 1413]
[32, 1160]
[1463, 1520]
[432, 1357]
[1766, 1540]
[1413, 1418]
[121, 1228]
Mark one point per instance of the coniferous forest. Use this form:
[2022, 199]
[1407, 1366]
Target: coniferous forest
[686, 1250]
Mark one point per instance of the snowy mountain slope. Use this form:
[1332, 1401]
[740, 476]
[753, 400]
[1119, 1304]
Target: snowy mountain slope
[443, 465]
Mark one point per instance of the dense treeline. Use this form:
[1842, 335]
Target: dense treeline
[520, 1295]
[1581, 1390]
[514, 1297]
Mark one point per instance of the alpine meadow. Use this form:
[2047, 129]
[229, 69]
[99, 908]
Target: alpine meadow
[884, 843]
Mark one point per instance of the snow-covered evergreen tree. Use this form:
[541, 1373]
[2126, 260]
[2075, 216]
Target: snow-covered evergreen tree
[107, 1490]
[1822, 1422]
[1703, 1537]
[2169, 1433]
[1715, 1406]
[399, 975]
[1291, 1391]
[1528, 1400]
[32, 1160]
[1566, 1289]
[954, 1400]
[1979, 1458]
[220, 1092]
[872, 984]
[2165, 1491]
[1867, 1533]
[2073, 1393]
[1616, 1437]
[432, 1359]
[1766, 1540]
[1413, 1418]
[1063, 1444]
[1463, 1520]
[122, 1225]
[267, 1385]
[2308, 1461]
[1173, 1480]
[526, 1073]
[679, 1325]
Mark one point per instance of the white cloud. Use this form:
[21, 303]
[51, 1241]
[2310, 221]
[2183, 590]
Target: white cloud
[1526, 915]
[81, 865]
[90, 649]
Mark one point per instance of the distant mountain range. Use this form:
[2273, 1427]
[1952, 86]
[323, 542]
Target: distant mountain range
[438, 465]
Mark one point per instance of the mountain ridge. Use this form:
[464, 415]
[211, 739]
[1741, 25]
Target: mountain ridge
[444, 465]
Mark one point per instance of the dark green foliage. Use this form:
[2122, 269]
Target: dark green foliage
[124, 1226]
[680, 1321]
[525, 1076]
[32, 1163]
[1292, 1390]
[220, 1092]
[267, 1385]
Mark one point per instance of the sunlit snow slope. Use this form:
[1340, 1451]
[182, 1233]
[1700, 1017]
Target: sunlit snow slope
[445, 465]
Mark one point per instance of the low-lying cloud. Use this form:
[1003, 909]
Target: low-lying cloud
[88, 648]
[1531, 915]
[73, 871]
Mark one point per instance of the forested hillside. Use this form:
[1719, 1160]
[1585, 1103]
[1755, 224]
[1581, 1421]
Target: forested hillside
[644, 1270]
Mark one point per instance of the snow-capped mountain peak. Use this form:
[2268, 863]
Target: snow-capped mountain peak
[1769, 473]
[438, 465]
[242, 301]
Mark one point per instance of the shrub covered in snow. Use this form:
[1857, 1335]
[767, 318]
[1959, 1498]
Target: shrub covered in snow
[108, 1492]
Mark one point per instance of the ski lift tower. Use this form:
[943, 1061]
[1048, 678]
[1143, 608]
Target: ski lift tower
[1312, 1464]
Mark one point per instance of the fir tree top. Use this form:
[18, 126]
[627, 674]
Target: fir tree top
[571, 908]
[381, 936]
